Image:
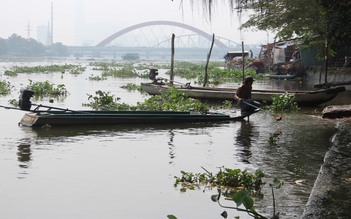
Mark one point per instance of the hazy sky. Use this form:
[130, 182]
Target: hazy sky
[102, 18]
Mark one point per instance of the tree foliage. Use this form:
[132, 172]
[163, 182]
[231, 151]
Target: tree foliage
[312, 21]
[16, 45]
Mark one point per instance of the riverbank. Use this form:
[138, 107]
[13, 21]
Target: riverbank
[330, 196]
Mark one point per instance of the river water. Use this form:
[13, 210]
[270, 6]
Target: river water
[128, 171]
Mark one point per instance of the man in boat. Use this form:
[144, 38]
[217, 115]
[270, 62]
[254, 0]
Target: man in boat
[243, 97]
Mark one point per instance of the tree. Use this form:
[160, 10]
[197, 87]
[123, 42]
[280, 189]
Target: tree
[17, 45]
[338, 20]
[314, 21]
[3, 47]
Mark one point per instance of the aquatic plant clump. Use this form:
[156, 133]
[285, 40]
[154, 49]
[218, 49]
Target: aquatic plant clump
[216, 74]
[104, 65]
[97, 78]
[172, 100]
[125, 72]
[132, 87]
[74, 69]
[5, 87]
[104, 101]
[283, 103]
[227, 179]
[219, 76]
[46, 89]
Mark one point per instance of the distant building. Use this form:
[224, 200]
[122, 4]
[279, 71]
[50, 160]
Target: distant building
[42, 34]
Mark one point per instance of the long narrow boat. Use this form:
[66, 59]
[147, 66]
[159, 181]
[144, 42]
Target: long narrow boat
[281, 77]
[70, 118]
[302, 97]
[54, 116]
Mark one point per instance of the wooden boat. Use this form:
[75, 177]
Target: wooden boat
[281, 77]
[69, 117]
[54, 116]
[302, 97]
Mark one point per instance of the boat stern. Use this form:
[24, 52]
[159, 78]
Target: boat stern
[29, 119]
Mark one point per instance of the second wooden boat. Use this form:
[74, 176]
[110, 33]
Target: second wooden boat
[302, 97]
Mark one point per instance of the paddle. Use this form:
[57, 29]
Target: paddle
[49, 108]
[57, 108]
[278, 118]
[249, 104]
[9, 107]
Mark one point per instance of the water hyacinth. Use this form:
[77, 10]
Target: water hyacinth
[46, 89]
[171, 100]
[284, 103]
[5, 87]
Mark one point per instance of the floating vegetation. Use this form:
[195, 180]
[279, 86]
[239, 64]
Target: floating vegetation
[10, 73]
[104, 101]
[173, 100]
[141, 66]
[46, 89]
[170, 100]
[243, 197]
[234, 184]
[14, 102]
[188, 70]
[144, 74]
[5, 87]
[284, 103]
[104, 65]
[274, 138]
[125, 72]
[74, 69]
[216, 74]
[132, 87]
[230, 180]
[97, 78]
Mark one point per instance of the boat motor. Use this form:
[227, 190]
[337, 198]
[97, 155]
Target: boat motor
[153, 73]
[24, 99]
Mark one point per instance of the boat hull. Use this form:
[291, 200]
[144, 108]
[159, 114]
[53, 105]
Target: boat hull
[281, 77]
[303, 98]
[70, 118]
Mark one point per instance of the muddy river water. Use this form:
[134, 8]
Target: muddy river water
[128, 171]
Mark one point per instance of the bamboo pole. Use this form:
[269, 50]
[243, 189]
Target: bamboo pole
[208, 60]
[326, 61]
[243, 60]
[172, 61]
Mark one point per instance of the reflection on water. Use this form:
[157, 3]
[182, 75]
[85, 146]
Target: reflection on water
[171, 146]
[24, 157]
[243, 139]
[24, 154]
[72, 131]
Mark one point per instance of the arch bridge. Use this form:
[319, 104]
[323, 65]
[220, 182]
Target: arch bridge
[197, 37]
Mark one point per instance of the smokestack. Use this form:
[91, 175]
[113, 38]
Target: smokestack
[52, 24]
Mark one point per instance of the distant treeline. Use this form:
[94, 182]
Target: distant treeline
[18, 46]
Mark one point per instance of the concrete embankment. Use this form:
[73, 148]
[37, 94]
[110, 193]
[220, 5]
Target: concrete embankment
[316, 75]
[331, 193]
